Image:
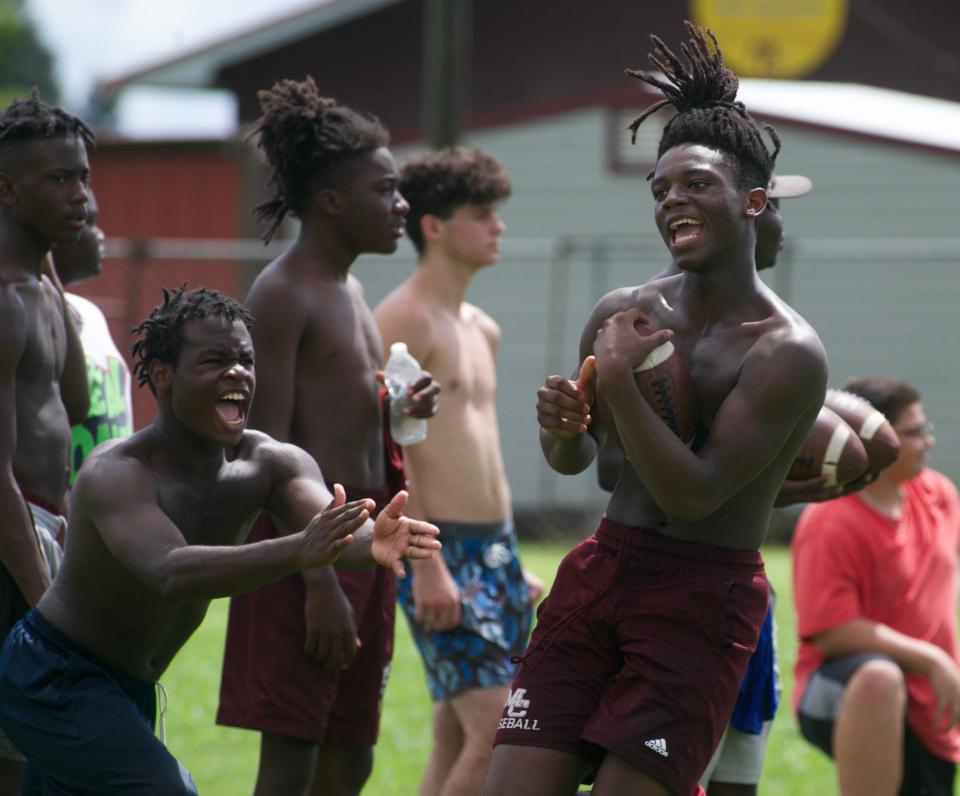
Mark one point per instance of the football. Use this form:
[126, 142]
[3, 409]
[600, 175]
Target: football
[831, 449]
[877, 435]
[666, 383]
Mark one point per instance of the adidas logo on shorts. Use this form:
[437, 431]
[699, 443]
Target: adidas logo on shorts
[659, 745]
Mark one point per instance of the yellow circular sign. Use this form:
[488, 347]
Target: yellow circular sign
[773, 38]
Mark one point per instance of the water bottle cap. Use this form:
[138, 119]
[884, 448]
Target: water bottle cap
[398, 348]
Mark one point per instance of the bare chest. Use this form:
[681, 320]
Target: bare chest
[463, 362]
[219, 511]
[715, 359]
[341, 336]
[46, 339]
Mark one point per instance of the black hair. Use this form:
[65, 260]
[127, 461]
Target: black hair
[704, 93]
[888, 395]
[30, 119]
[437, 183]
[305, 137]
[161, 334]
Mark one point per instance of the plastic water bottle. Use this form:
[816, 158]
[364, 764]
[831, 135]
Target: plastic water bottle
[401, 371]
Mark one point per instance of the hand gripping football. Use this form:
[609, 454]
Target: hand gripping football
[877, 435]
[666, 383]
[832, 449]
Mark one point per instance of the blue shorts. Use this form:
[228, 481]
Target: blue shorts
[484, 563]
[85, 729]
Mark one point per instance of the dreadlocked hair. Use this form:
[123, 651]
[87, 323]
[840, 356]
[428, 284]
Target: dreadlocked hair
[161, 334]
[437, 183]
[305, 137]
[704, 93]
[31, 119]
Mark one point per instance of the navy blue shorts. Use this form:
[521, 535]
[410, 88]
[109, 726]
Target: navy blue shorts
[484, 563]
[85, 729]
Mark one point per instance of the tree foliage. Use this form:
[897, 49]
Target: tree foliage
[25, 61]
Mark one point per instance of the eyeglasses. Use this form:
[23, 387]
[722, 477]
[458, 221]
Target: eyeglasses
[926, 430]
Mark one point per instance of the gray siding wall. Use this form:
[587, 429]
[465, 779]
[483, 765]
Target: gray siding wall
[872, 261]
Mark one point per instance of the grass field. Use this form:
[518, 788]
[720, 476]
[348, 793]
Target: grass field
[223, 761]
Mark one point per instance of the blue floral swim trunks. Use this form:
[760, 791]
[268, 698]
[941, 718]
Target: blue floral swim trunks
[496, 610]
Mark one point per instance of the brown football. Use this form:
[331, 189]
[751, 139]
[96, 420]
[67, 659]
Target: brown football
[666, 383]
[877, 435]
[831, 449]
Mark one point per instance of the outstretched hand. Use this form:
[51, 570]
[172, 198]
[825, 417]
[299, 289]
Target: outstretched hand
[329, 533]
[396, 537]
[563, 405]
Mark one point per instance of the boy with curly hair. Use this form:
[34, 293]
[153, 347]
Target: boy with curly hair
[470, 611]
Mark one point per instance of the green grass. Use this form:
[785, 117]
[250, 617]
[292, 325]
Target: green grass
[223, 761]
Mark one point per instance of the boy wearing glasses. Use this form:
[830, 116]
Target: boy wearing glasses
[875, 573]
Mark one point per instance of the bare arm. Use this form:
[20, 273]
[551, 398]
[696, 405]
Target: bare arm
[74, 389]
[566, 408]
[19, 551]
[912, 654]
[781, 383]
[112, 491]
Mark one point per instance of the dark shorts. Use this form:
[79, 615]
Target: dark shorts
[270, 684]
[639, 650]
[485, 564]
[86, 729]
[923, 772]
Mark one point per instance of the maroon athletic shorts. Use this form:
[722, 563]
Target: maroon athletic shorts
[639, 650]
[270, 684]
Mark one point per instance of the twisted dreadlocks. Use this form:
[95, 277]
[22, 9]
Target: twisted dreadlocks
[161, 334]
[30, 119]
[307, 137]
[704, 93]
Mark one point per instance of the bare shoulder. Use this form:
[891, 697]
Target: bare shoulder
[473, 314]
[115, 472]
[647, 297]
[355, 286]
[275, 292]
[282, 461]
[406, 315]
[789, 351]
[404, 302]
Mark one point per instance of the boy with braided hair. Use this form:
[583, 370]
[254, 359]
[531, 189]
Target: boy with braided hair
[635, 664]
[156, 523]
[307, 658]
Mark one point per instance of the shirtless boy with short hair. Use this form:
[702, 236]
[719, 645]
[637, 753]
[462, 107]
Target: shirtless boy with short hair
[156, 523]
[469, 610]
[43, 201]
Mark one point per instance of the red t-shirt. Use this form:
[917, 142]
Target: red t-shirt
[850, 561]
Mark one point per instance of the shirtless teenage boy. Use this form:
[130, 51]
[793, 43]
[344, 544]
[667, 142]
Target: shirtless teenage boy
[469, 611]
[306, 658]
[640, 648]
[43, 201]
[155, 525]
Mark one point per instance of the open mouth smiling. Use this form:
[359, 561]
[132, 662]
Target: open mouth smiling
[684, 229]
